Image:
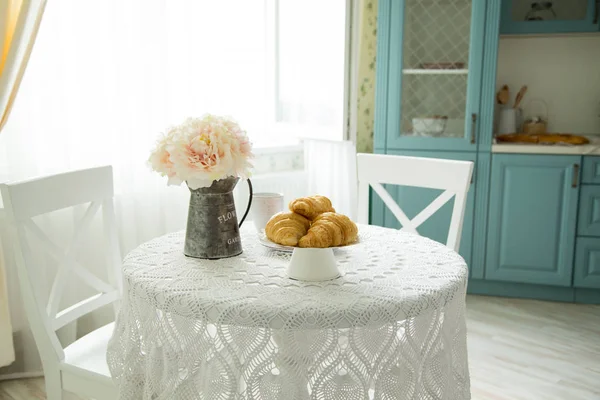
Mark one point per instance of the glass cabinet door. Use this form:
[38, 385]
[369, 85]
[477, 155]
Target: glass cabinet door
[440, 73]
[549, 16]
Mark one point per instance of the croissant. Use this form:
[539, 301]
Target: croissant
[330, 229]
[286, 228]
[311, 206]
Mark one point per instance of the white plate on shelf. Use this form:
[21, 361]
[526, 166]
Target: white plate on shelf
[262, 238]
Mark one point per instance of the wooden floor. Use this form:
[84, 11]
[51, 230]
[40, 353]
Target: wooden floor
[530, 350]
[518, 350]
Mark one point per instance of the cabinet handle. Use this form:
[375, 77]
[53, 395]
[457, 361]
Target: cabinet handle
[575, 175]
[473, 123]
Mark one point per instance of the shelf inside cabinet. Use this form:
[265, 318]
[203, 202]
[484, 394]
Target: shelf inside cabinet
[435, 71]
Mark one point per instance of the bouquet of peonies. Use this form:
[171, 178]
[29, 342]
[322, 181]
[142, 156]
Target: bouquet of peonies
[202, 150]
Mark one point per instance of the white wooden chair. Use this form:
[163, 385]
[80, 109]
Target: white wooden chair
[80, 367]
[451, 176]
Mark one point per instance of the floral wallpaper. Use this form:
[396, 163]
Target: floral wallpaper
[366, 76]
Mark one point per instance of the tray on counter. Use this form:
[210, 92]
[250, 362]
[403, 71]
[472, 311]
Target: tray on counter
[543, 138]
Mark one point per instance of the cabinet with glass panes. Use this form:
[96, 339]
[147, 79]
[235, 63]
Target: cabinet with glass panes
[435, 89]
[433, 73]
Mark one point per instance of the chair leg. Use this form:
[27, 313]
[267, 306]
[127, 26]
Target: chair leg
[53, 384]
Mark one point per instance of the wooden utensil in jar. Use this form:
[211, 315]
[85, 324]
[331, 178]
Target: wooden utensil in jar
[503, 95]
[520, 96]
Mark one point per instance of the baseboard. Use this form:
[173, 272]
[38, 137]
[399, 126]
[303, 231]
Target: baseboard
[587, 296]
[522, 290]
[538, 292]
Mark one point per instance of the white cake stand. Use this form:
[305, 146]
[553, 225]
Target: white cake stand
[309, 264]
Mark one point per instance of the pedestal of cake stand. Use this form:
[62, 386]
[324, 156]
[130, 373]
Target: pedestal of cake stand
[314, 265]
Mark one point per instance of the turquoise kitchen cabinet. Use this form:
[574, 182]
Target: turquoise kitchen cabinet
[532, 218]
[429, 72]
[587, 254]
[587, 263]
[413, 200]
[434, 97]
[591, 170]
[540, 17]
[521, 236]
[588, 221]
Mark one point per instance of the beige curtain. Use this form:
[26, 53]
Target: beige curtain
[19, 23]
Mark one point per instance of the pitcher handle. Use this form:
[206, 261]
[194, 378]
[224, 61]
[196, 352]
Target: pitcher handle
[249, 202]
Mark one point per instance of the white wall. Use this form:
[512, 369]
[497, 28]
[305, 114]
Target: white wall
[562, 71]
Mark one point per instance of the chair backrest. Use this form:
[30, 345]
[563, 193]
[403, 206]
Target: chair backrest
[453, 177]
[27, 199]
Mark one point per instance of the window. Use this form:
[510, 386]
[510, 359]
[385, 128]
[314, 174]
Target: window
[275, 65]
[310, 45]
[106, 77]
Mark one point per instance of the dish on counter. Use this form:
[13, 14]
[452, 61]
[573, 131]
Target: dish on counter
[544, 138]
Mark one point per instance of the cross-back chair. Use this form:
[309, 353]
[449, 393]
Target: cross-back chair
[453, 177]
[80, 367]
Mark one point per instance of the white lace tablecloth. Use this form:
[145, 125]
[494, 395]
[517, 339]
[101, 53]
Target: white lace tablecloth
[392, 327]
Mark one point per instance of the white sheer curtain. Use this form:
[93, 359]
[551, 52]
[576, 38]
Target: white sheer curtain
[107, 76]
[104, 79]
[331, 171]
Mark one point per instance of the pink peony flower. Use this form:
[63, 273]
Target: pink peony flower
[200, 151]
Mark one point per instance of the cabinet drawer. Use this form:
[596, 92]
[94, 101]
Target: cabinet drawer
[587, 263]
[591, 170]
[589, 211]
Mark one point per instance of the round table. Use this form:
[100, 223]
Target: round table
[391, 327]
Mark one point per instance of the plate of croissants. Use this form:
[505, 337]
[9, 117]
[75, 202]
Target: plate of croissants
[311, 223]
[310, 231]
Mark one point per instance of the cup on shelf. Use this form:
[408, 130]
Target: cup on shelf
[264, 206]
[509, 120]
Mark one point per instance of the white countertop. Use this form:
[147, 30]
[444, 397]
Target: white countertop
[592, 148]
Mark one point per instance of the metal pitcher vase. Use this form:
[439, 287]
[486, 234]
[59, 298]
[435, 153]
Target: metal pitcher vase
[212, 227]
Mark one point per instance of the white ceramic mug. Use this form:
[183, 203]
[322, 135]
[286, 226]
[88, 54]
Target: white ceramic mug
[509, 120]
[264, 206]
